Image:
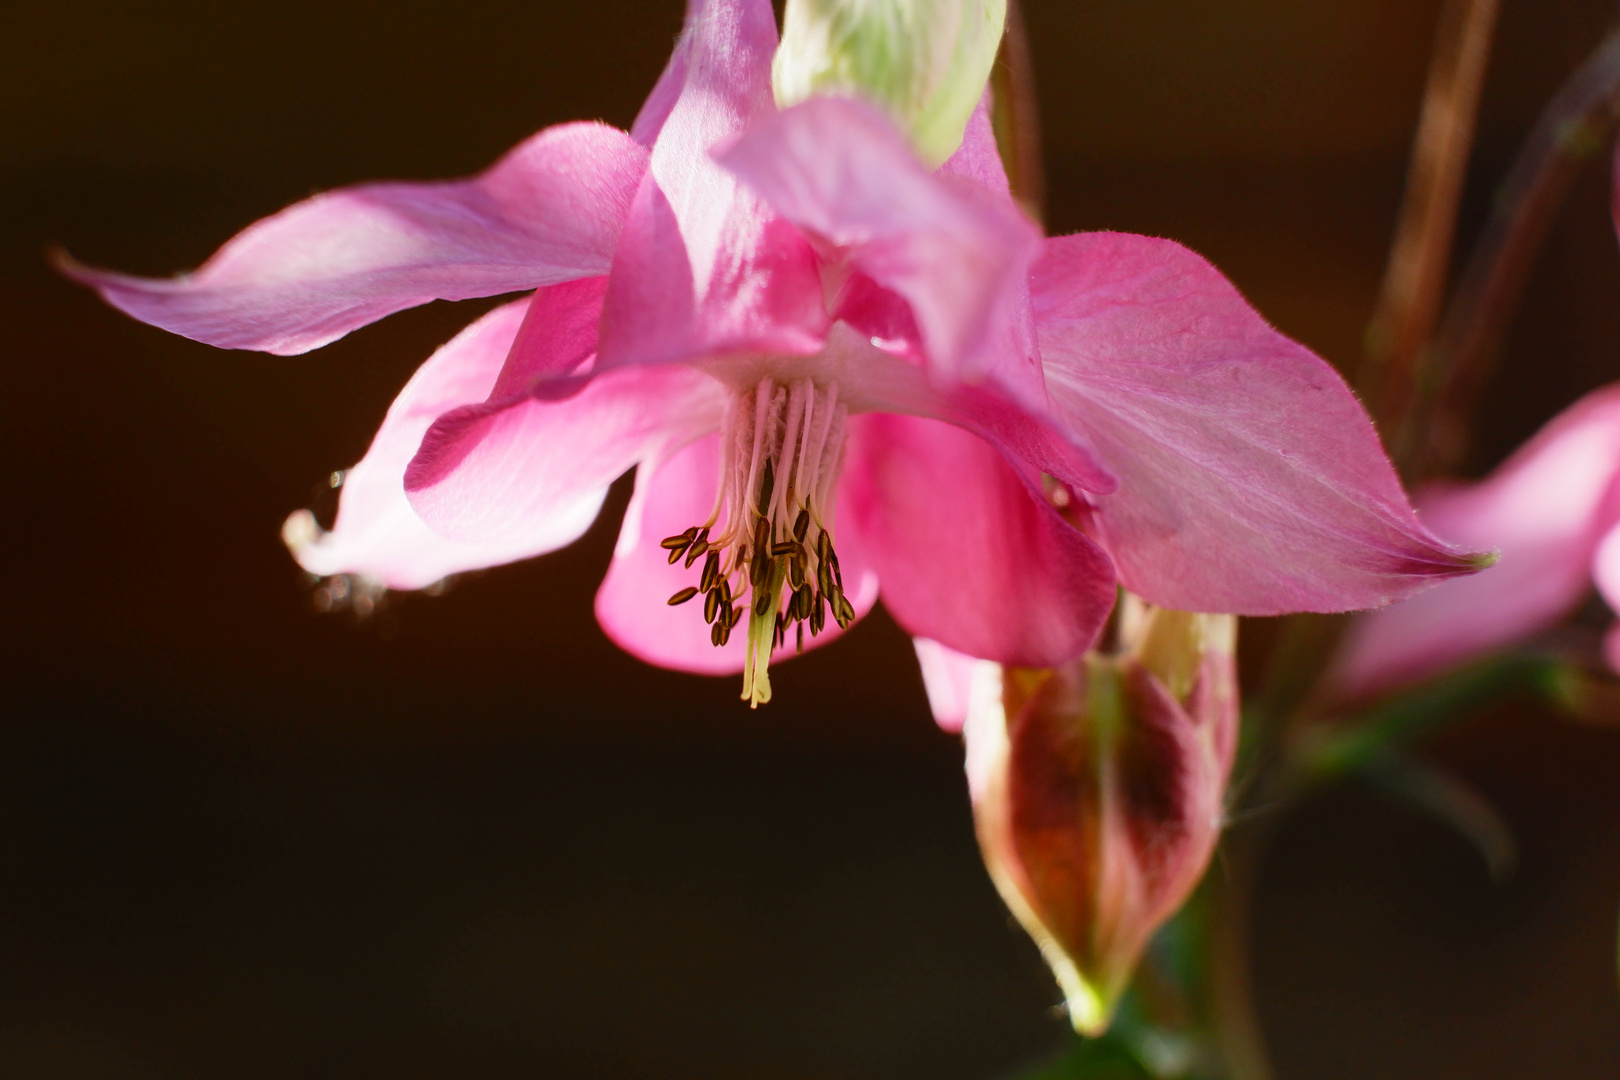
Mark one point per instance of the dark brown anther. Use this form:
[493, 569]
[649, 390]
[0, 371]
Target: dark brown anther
[717, 634]
[843, 611]
[699, 546]
[801, 525]
[711, 572]
[778, 633]
[683, 596]
[823, 545]
[832, 561]
[785, 547]
[824, 578]
[803, 598]
[762, 535]
[675, 555]
[768, 485]
[795, 569]
[732, 615]
[818, 616]
[725, 592]
[798, 643]
[759, 571]
[711, 606]
[762, 603]
[680, 541]
[725, 630]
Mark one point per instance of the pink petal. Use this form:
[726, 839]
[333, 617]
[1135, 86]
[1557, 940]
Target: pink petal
[377, 533]
[503, 470]
[967, 556]
[1251, 480]
[703, 267]
[957, 252]
[951, 680]
[549, 211]
[632, 604]
[1546, 508]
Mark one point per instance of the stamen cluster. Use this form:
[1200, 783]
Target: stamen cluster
[780, 452]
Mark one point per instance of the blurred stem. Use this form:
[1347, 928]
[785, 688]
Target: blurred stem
[1016, 116]
[1414, 281]
[1576, 125]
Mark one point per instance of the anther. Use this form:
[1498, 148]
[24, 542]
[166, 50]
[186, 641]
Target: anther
[683, 596]
[733, 614]
[711, 606]
[680, 541]
[711, 572]
[802, 599]
[796, 573]
[717, 634]
[699, 546]
[801, 525]
[768, 485]
[762, 603]
[824, 578]
[784, 547]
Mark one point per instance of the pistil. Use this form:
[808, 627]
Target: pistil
[767, 545]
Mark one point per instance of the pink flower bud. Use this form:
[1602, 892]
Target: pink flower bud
[1098, 790]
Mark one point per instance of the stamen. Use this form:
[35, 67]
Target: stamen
[766, 547]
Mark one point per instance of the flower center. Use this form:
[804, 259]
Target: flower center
[767, 546]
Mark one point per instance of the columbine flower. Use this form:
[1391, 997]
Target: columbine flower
[1553, 509]
[1098, 787]
[801, 334]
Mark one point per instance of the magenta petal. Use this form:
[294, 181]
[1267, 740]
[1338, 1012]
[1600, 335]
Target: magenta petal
[1251, 480]
[549, 211]
[1546, 508]
[377, 534]
[967, 556]
[957, 252]
[703, 267]
[505, 469]
[632, 604]
[951, 679]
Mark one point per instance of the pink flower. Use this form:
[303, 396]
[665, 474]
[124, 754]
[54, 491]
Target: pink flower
[796, 330]
[1553, 509]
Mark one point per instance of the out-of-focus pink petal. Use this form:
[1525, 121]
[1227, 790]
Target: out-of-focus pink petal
[633, 602]
[952, 679]
[1251, 480]
[1546, 508]
[957, 252]
[966, 554]
[377, 534]
[504, 469]
[703, 266]
[549, 211]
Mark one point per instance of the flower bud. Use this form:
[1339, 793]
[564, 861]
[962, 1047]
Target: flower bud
[925, 62]
[1098, 790]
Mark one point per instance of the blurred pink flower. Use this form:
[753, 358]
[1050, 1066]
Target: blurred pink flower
[1552, 509]
[786, 321]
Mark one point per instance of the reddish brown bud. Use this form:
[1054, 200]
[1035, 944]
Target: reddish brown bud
[1098, 790]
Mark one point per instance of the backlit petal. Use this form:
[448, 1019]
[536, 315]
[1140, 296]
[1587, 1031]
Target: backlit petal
[505, 469]
[1251, 480]
[956, 251]
[703, 266]
[377, 534]
[549, 211]
[966, 554]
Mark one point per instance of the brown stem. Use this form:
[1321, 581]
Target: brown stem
[1575, 126]
[1016, 116]
[1414, 281]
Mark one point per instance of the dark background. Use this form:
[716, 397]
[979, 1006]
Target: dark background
[468, 838]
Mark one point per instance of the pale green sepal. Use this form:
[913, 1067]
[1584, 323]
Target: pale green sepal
[926, 62]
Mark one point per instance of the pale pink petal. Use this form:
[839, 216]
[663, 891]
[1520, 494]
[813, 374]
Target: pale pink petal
[656, 109]
[703, 266]
[1546, 509]
[966, 554]
[957, 252]
[549, 211]
[505, 469]
[952, 680]
[632, 604]
[377, 534]
[558, 335]
[1251, 480]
